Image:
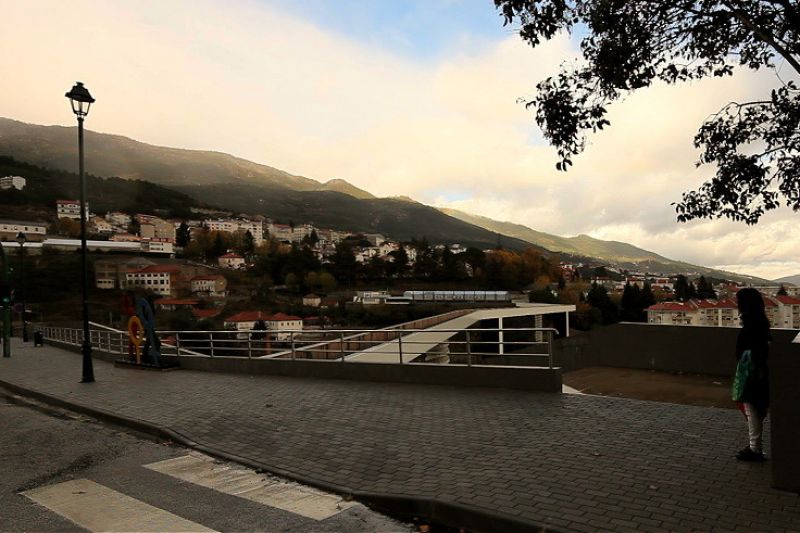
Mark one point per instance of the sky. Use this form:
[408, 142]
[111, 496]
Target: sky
[399, 97]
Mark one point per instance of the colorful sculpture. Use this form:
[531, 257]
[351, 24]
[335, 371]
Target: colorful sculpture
[141, 330]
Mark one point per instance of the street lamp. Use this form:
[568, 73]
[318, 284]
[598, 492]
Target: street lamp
[81, 100]
[21, 238]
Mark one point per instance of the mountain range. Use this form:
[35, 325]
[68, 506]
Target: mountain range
[243, 186]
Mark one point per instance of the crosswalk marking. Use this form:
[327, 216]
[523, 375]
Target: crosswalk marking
[98, 508]
[238, 481]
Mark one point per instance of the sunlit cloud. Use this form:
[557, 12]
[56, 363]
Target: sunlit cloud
[263, 82]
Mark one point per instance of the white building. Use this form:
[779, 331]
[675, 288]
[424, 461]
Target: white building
[101, 225]
[34, 231]
[158, 246]
[16, 182]
[153, 227]
[281, 232]
[229, 225]
[160, 279]
[281, 325]
[231, 260]
[782, 312]
[214, 286]
[70, 209]
[118, 219]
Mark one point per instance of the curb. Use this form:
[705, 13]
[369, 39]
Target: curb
[450, 514]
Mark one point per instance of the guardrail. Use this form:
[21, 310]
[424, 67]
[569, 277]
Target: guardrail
[470, 346]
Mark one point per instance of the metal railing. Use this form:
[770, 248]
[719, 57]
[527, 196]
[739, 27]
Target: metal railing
[473, 346]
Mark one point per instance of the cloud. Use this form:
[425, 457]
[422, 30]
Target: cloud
[253, 80]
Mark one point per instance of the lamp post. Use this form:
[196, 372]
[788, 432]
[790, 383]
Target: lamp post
[81, 100]
[21, 238]
[5, 300]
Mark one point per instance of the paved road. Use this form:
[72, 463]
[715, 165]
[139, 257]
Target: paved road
[65, 472]
[579, 463]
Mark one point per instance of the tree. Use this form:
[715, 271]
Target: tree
[705, 290]
[599, 299]
[782, 291]
[248, 244]
[182, 235]
[630, 44]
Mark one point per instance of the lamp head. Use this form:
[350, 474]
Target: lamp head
[80, 99]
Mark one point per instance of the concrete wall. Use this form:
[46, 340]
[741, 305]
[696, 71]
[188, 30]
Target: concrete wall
[690, 349]
[784, 376]
[507, 377]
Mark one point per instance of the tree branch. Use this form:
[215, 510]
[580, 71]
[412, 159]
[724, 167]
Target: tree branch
[764, 36]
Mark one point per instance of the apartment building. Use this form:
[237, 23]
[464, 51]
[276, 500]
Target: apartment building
[34, 231]
[161, 279]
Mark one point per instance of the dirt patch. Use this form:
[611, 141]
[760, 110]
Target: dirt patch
[687, 389]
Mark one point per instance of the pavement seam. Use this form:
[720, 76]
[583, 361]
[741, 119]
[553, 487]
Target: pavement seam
[449, 513]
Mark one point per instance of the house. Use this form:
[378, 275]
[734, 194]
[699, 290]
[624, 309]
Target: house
[16, 182]
[161, 279]
[101, 225]
[110, 273]
[34, 231]
[118, 219]
[255, 227]
[213, 286]
[282, 325]
[231, 260]
[153, 227]
[281, 232]
[156, 245]
[173, 304]
[671, 313]
[312, 300]
[70, 209]
[246, 320]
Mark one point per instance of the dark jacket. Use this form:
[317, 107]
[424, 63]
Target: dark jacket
[755, 336]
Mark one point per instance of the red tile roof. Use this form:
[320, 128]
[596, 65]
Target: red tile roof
[231, 256]
[673, 306]
[788, 300]
[215, 277]
[157, 268]
[205, 313]
[177, 301]
[248, 316]
[283, 317]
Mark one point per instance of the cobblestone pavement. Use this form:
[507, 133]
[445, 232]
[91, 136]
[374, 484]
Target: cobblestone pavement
[572, 462]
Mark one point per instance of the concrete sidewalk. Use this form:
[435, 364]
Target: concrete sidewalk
[569, 462]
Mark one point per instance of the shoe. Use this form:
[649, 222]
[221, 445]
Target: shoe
[750, 456]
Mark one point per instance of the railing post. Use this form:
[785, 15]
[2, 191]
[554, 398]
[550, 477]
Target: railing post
[249, 344]
[341, 344]
[177, 344]
[469, 349]
[550, 349]
[400, 347]
[211, 342]
[294, 348]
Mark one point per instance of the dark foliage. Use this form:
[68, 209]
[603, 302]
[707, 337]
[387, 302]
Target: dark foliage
[630, 44]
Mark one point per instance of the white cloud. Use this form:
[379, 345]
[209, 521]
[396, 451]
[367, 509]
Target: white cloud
[244, 78]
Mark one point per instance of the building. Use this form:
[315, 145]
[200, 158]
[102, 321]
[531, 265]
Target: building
[34, 231]
[101, 225]
[125, 237]
[281, 232]
[255, 227]
[161, 279]
[246, 320]
[312, 300]
[282, 325]
[174, 304]
[212, 286]
[110, 273]
[118, 219]
[781, 311]
[231, 260]
[15, 182]
[157, 245]
[70, 209]
[151, 227]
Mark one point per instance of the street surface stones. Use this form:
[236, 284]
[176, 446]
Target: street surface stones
[566, 461]
[65, 472]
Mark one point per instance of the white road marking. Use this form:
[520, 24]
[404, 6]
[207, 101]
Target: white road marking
[99, 508]
[260, 488]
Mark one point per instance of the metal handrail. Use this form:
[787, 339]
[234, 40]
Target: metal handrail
[336, 344]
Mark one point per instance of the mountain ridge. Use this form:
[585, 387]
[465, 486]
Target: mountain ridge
[617, 253]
